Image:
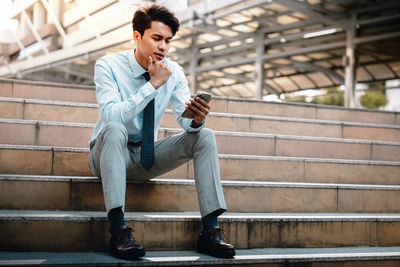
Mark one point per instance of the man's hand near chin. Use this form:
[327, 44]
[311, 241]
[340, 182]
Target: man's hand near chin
[159, 72]
[199, 109]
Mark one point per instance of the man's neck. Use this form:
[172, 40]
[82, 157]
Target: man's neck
[142, 62]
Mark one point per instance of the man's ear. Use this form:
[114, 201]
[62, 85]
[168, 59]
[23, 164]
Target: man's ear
[136, 36]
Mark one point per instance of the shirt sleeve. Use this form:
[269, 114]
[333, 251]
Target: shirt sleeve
[178, 101]
[111, 106]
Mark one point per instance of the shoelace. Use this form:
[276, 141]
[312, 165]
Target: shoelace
[220, 233]
[127, 233]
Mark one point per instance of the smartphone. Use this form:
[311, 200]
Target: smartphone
[205, 96]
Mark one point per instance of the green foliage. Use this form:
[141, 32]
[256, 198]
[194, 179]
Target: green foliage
[373, 99]
[336, 99]
[298, 99]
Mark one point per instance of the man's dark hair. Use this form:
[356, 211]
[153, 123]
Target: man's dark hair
[144, 16]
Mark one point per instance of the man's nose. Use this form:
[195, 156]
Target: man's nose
[162, 45]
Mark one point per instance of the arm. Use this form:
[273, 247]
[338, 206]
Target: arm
[111, 106]
[180, 96]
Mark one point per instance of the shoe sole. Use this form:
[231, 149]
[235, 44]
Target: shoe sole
[226, 254]
[130, 256]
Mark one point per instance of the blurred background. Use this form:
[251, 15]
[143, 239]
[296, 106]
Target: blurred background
[333, 52]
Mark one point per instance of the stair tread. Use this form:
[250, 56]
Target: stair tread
[186, 181]
[54, 215]
[245, 256]
[89, 87]
[221, 156]
[217, 132]
[219, 114]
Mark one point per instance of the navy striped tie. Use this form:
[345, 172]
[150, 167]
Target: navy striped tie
[147, 152]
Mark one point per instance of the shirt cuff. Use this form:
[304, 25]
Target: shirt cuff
[148, 89]
[193, 129]
[145, 92]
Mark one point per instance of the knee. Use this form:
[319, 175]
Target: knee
[116, 132]
[207, 136]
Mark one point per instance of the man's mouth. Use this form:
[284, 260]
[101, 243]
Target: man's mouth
[159, 56]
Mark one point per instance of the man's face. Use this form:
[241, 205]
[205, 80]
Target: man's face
[155, 42]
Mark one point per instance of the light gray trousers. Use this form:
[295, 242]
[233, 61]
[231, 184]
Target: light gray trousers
[114, 160]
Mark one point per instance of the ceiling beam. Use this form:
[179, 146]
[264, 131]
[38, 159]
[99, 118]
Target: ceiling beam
[316, 68]
[310, 11]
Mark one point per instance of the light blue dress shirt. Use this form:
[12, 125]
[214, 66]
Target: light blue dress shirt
[122, 93]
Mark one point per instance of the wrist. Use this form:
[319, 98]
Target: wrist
[156, 84]
[195, 124]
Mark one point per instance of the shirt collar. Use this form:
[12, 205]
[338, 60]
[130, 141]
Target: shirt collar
[135, 66]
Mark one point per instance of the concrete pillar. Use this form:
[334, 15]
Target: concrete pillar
[259, 67]
[350, 65]
[193, 66]
[393, 95]
[39, 15]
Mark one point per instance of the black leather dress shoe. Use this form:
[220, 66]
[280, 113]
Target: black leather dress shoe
[124, 246]
[212, 243]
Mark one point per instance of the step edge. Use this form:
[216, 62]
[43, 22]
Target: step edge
[243, 256]
[233, 99]
[191, 182]
[217, 132]
[189, 216]
[228, 115]
[220, 156]
[49, 84]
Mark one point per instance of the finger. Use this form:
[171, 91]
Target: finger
[164, 65]
[200, 106]
[203, 102]
[196, 111]
[149, 61]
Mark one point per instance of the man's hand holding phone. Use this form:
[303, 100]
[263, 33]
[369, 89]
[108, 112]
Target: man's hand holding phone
[197, 108]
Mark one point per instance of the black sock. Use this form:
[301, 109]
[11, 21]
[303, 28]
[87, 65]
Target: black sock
[210, 221]
[115, 219]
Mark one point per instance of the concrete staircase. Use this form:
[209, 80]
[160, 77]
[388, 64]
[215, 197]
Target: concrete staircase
[304, 184]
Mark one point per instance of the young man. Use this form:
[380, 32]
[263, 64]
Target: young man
[133, 89]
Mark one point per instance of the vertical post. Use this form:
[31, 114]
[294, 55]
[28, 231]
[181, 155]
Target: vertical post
[54, 15]
[259, 65]
[193, 66]
[39, 16]
[349, 83]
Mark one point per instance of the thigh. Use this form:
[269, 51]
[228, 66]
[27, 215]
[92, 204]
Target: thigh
[170, 153]
[102, 152]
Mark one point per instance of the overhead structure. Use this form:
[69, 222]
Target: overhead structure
[246, 49]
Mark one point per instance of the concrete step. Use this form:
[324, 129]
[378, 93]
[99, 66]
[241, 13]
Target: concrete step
[79, 93]
[46, 133]
[47, 91]
[88, 231]
[14, 108]
[354, 256]
[46, 160]
[166, 194]
[17, 108]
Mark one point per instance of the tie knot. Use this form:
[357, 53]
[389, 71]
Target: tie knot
[146, 75]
